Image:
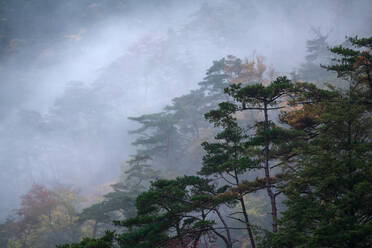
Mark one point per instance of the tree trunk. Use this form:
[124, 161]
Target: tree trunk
[244, 210]
[228, 239]
[267, 172]
[249, 228]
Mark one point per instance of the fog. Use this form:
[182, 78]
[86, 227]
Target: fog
[72, 72]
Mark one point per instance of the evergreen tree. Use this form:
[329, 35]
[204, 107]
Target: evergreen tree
[268, 135]
[227, 158]
[326, 156]
[215, 82]
[158, 137]
[176, 213]
[121, 202]
[106, 241]
[354, 64]
[188, 110]
[317, 53]
[328, 189]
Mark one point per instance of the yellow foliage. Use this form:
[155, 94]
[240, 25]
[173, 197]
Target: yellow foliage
[301, 117]
[249, 71]
[59, 220]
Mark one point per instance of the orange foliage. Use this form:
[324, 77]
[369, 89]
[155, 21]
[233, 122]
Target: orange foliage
[301, 118]
[249, 71]
[257, 184]
[362, 60]
[38, 201]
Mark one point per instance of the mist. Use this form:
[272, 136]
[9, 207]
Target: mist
[72, 72]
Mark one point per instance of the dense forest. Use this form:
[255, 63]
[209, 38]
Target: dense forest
[260, 151]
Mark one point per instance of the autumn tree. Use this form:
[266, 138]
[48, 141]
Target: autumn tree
[36, 203]
[46, 217]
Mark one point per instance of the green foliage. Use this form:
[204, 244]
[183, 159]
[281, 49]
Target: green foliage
[228, 154]
[166, 135]
[107, 241]
[328, 189]
[121, 202]
[354, 63]
[215, 81]
[188, 110]
[137, 177]
[322, 164]
[328, 193]
[170, 210]
[158, 134]
[317, 53]
[268, 139]
[257, 95]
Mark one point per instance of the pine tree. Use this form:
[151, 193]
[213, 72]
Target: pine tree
[176, 212]
[158, 138]
[354, 64]
[317, 53]
[227, 158]
[134, 180]
[328, 186]
[188, 110]
[265, 99]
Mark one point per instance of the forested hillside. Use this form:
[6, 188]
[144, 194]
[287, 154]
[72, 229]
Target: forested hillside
[287, 163]
[185, 124]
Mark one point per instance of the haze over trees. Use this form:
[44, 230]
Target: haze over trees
[127, 124]
[315, 151]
